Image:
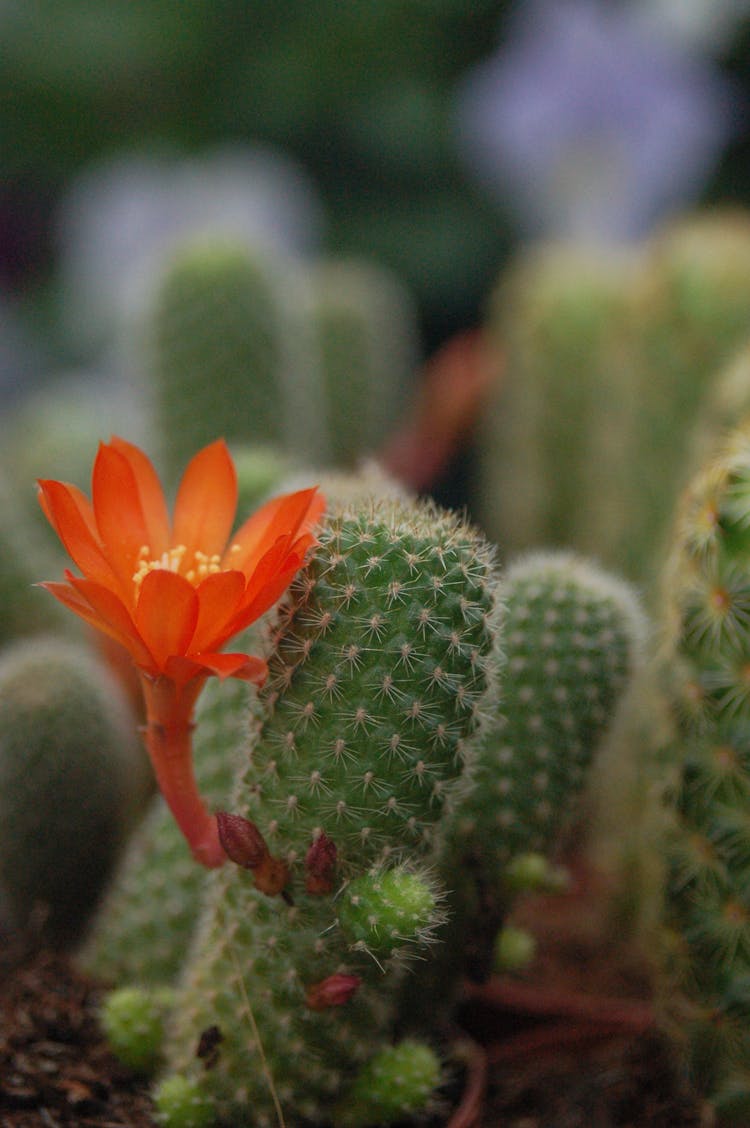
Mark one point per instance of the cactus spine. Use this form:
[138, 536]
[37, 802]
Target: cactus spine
[380, 663]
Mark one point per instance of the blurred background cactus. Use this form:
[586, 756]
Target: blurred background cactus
[73, 779]
[609, 359]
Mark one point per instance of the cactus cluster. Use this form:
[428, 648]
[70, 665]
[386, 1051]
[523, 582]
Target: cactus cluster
[609, 359]
[378, 769]
[429, 725]
[313, 361]
[377, 672]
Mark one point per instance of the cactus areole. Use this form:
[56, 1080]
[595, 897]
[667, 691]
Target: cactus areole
[174, 591]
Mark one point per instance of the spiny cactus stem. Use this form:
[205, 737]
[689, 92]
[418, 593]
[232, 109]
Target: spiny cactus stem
[168, 735]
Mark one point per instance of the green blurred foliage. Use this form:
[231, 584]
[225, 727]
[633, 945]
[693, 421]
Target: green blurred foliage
[359, 92]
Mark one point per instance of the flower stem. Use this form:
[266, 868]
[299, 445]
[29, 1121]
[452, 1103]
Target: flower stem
[168, 735]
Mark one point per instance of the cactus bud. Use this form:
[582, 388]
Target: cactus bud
[245, 845]
[320, 863]
[331, 992]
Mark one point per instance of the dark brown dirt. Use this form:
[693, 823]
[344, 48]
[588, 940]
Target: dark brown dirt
[573, 1071]
[55, 1068]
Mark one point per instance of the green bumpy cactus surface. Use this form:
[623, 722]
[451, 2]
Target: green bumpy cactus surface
[72, 777]
[572, 641]
[382, 911]
[706, 657]
[398, 1081]
[380, 663]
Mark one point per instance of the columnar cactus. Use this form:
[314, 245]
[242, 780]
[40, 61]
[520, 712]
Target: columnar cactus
[608, 360]
[363, 336]
[550, 327]
[706, 656]
[573, 640]
[217, 354]
[72, 779]
[377, 676]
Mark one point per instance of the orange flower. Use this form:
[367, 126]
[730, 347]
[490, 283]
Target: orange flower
[174, 592]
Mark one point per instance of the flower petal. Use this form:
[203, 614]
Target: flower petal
[76, 602]
[114, 618]
[285, 514]
[151, 494]
[166, 614]
[119, 514]
[206, 501]
[269, 582]
[244, 666]
[69, 512]
[218, 598]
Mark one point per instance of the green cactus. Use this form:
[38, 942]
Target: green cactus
[133, 1020]
[72, 779]
[217, 357]
[380, 664]
[364, 337]
[706, 996]
[551, 323]
[608, 363]
[573, 638]
[142, 931]
[383, 911]
[397, 1082]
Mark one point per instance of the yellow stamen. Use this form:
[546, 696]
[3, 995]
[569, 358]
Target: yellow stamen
[172, 561]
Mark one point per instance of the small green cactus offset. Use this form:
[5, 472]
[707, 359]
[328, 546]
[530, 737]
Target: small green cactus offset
[397, 1082]
[382, 912]
[381, 661]
[133, 1020]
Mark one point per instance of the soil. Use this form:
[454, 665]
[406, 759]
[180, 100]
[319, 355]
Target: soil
[569, 1045]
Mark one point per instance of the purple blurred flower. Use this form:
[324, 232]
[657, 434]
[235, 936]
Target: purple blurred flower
[589, 124]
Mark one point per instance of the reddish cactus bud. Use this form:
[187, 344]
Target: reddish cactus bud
[320, 863]
[241, 840]
[332, 992]
[244, 844]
